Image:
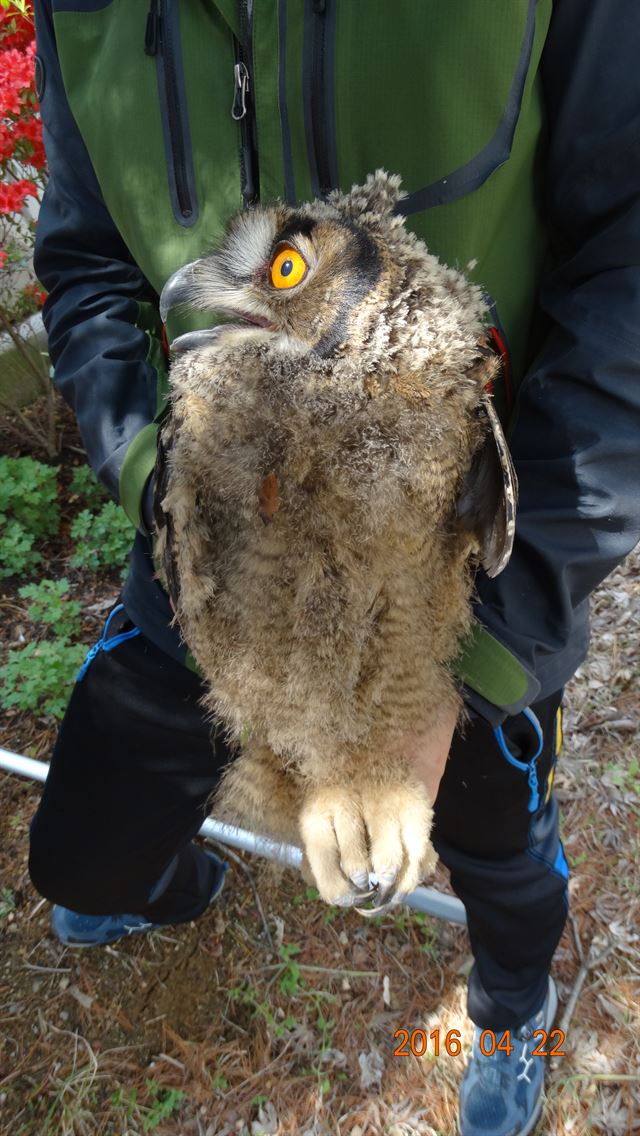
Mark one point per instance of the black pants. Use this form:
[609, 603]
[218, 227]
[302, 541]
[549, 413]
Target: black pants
[134, 767]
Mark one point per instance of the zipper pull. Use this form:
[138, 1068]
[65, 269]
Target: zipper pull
[152, 30]
[239, 107]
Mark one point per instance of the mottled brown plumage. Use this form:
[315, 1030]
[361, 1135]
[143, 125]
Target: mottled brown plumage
[308, 520]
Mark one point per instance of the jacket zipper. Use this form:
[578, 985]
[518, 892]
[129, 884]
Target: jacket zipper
[158, 41]
[242, 110]
[317, 88]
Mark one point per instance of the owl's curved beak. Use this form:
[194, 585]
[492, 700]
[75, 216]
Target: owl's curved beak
[179, 289]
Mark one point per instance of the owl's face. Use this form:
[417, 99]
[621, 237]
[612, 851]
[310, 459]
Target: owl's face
[283, 272]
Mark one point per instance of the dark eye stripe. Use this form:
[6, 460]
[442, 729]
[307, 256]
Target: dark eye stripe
[366, 269]
[295, 226]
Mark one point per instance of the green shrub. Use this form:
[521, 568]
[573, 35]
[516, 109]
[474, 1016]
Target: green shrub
[17, 554]
[85, 484]
[29, 492]
[37, 677]
[49, 608]
[103, 539]
[28, 512]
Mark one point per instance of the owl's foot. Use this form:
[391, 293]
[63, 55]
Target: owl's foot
[351, 833]
[257, 793]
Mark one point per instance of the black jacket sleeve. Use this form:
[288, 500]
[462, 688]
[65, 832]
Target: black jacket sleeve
[99, 301]
[576, 440]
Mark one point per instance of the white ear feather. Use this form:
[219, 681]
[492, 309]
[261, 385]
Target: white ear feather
[249, 242]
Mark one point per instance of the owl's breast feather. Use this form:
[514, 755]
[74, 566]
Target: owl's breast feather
[318, 575]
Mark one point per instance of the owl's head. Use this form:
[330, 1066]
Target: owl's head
[343, 278]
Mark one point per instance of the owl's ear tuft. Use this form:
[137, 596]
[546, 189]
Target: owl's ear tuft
[380, 194]
[382, 191]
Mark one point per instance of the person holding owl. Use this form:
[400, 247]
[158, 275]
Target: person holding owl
[518, 143]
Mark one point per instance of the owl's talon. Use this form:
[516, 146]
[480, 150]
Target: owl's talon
[379, 909]
[387, 894]
[347, 834]
[363, 896]
[350, 899]
[386, 897]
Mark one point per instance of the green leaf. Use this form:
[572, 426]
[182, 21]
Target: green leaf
[85, 484]
[29, 495]
[38, 677]
[102, 539]
[49, 608]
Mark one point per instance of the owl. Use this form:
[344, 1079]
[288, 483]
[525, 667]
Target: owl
[329, 475]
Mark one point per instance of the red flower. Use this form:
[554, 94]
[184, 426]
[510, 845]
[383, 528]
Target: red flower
[3, 257]
[36, 293]
[14, 194]
[22, 138]
[20, 127]
[15, 30]
[16, 78]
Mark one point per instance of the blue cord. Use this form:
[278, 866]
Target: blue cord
[528, 767]
[105, 644]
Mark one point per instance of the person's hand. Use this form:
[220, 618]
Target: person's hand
[428, 751]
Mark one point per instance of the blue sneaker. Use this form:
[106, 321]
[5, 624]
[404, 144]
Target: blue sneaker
[77, 930]
[501, 1094]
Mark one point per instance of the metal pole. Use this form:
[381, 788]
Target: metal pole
[432, 902]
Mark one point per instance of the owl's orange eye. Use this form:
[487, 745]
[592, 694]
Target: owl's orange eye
[287, 268]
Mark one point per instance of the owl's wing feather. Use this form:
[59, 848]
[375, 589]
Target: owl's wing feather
[487, 504]
[164, 521]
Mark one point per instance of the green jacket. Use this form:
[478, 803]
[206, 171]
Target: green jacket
[163, 118]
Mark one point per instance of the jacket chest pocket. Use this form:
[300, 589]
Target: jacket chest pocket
[162, 42]
[150, 86]
[444, 85]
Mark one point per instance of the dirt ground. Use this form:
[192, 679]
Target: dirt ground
[275, 1014]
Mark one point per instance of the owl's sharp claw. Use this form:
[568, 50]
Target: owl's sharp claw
[363, 896]
[387, 897]
[387, 889]
[354, 897]
[379, 909]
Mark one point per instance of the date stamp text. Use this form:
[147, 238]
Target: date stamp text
[417, 1043]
